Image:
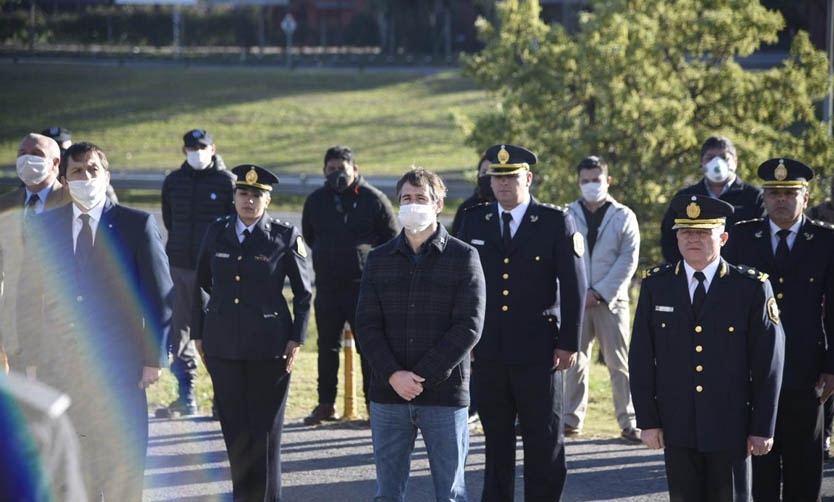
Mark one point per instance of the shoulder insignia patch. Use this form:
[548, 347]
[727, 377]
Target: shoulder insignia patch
[656, 270]
[773, 310]
[300, 248]
[751, 272]
[745, 222]
[578, 244]
[823, 224]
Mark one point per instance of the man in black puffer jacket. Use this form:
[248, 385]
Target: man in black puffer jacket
[341, 222]
[193, 196]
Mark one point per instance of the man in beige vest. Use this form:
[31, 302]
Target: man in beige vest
[38, 158]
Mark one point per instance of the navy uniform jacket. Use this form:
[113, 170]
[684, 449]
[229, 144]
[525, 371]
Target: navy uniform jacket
[801, 288]
[522, 312]
[247, 316]
[712, 381]
[745, 198]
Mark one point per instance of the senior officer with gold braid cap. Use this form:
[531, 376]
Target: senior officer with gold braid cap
[798, 253]
[246, 334]
[706, 360]
[525, 248]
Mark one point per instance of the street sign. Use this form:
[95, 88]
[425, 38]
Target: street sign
[288, 24]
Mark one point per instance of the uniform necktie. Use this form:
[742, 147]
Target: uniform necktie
[782, 250]
[507, 237]
[84, 241]
[29, 212]
[700, 293]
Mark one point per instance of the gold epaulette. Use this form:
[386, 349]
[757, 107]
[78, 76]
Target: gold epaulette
[751, 272]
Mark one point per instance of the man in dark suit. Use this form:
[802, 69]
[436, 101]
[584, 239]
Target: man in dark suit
[706, 360]
[95, 313]
[38, 158]
[718, 163]
[525, 247]
[798, 253]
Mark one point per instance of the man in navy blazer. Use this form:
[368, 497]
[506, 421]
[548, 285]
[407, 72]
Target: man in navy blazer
[94, 317]
[798, 253]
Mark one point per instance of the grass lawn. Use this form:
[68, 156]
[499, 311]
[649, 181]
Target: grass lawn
[280, 119]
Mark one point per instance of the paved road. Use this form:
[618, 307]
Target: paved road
[187, 462]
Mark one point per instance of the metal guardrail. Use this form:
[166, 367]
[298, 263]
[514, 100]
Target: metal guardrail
[291, 183]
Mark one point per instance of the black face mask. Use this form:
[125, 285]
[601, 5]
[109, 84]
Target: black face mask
[485, 188]
[338, 181]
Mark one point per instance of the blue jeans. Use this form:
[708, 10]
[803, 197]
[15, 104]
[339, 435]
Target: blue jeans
[446, 434]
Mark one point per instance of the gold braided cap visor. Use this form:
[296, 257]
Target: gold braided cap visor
[507, 169]
[267, 188]
[705, 224]
[784, 184]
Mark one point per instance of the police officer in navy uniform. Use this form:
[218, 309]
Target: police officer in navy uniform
[246, 334]
[706, 360]
[798, 253]
[525, 247]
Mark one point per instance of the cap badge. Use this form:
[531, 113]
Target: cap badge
[693, 210]
[781, 172]
[252, 176]
[503, 155]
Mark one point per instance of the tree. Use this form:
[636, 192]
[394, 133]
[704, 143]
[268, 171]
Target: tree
[642, 83]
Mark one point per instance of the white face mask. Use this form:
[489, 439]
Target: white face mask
[717, 170]
[417, 217]
[32, 169]
[593, 192]
[199, 159]
[88, 193]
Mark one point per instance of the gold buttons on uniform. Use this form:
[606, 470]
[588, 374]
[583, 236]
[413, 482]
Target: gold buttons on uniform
[779, 296]
[237, 300]
[699, 368]
[505, 292]
[698, 388]
[237, 278]
[699, 348]
[731, 329]
[698, 329]
[506, 276]
[505, 308]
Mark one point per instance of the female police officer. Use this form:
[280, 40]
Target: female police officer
[245, 333]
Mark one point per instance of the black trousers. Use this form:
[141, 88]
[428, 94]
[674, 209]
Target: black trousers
[335, 307]
[796, 457]
[534, 392]
[251, 397]
[695, 476]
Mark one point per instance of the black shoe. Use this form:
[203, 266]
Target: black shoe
[632, 435]
[178, 408]
[321, 413]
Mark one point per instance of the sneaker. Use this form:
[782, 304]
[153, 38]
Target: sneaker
[322, 412]
[572, 432]
[632, 435]
[178, 408]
